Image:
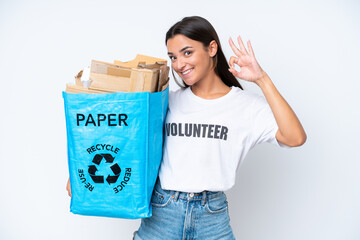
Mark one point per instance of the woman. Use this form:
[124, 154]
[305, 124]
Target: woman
[210, 126]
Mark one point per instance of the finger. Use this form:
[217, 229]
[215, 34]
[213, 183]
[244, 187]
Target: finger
[250, 49]
[234, 72]
[232, 61]
[68, 188]
[234, 48]
[242, 47]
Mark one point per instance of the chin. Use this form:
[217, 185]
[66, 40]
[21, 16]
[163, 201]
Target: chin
[189, 82]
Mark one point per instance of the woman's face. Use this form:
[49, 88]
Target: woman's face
[189, 58]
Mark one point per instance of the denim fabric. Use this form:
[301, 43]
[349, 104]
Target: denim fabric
[186, 216]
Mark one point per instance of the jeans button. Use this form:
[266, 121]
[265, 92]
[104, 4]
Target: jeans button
[191, 194]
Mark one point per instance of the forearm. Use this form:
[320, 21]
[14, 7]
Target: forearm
[291, 131]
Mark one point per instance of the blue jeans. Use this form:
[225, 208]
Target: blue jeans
[186, 216]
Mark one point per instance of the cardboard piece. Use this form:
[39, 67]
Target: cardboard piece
[142, 74]
[164, 76]
[165, 86]
[70, 88]
[140, 59]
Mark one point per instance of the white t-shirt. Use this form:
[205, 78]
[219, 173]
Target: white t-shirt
[207, 139]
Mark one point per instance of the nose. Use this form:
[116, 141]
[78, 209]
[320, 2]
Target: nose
[180, 64]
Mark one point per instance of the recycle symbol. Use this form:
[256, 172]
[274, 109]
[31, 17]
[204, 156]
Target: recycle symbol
[99, 178]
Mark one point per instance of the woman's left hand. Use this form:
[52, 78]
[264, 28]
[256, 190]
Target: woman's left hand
[290, 132]
[250, 70]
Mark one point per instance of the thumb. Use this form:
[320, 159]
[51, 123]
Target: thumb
[235, 73]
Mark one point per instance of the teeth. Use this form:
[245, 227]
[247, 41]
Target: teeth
[186, 72]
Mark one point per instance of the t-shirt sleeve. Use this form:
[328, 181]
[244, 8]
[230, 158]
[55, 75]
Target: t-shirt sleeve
[264, 126]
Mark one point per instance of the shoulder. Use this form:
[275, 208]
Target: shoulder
[176, 94]
[245, 96]
[248, 101]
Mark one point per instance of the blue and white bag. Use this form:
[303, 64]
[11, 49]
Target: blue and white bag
[114, 151]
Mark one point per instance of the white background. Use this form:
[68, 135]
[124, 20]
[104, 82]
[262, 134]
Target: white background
[310, 49]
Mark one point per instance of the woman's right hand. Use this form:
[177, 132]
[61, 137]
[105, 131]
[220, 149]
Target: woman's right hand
[68, 187]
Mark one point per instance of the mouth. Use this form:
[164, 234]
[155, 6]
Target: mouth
[187, 72]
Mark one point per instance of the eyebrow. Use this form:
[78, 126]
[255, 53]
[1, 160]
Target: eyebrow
[183, 49]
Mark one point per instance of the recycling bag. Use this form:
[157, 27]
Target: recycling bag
[114, 143]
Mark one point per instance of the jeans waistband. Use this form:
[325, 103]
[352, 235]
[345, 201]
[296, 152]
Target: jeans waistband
[203, 196]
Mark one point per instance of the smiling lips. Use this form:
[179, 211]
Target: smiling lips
[187, 72]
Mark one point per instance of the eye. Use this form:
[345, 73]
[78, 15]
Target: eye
[187, 53]
[172, 58]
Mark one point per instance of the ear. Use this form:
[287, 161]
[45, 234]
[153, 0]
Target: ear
[212, 49]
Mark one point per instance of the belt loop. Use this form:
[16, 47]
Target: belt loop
[203, 200]
[176, 195]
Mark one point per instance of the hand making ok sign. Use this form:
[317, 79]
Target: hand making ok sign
[250, 70]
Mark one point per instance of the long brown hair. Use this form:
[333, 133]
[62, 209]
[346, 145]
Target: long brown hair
[200, 29]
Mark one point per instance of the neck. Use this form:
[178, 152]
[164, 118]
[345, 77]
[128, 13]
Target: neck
[210, 86]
